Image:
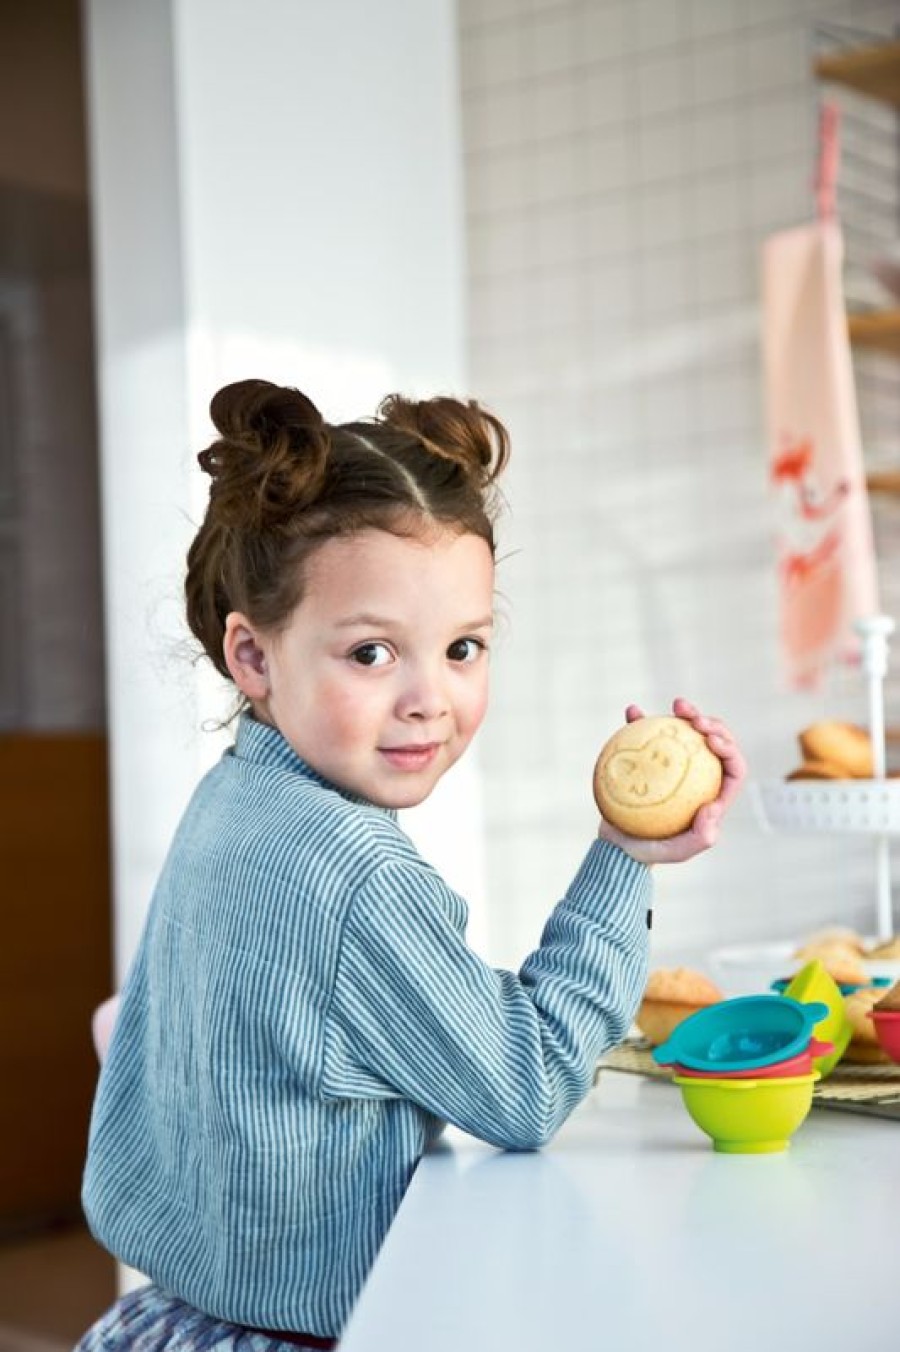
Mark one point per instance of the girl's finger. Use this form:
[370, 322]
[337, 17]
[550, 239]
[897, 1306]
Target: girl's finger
[725, 747]
[710, 726]
[707, 821]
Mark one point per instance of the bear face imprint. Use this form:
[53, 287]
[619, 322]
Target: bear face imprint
[650, 775]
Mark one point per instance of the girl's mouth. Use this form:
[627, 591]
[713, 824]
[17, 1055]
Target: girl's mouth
[410, 757]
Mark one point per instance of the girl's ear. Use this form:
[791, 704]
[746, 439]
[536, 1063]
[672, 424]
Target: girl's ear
[245, 657]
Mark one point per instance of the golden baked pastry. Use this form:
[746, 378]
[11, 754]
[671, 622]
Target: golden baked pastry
[818, 769]
[653, 775]
[890, 1000]
[671, 994]
[840, 960]
[858, 1006]
[839, 934]
[889, 950]
[863, 1046]
[681, 985]
[843, 744]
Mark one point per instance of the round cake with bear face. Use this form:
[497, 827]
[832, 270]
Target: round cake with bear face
[653, 775]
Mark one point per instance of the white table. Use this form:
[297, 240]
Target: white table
[629, 1232]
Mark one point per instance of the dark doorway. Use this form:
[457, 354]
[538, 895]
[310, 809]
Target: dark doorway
[55, 954]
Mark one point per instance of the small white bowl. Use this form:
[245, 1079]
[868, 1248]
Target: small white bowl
[750, 969]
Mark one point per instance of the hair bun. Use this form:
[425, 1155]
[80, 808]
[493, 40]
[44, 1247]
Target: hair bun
[271, 453]
[464, 433]
[261, 409]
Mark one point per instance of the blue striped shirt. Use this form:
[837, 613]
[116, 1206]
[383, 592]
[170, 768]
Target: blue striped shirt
[302, 1015]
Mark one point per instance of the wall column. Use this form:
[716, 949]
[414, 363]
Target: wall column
[276, 192]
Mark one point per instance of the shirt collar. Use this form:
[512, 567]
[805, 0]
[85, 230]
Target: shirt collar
[262, 744]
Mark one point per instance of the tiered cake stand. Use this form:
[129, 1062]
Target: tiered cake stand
[858, 806]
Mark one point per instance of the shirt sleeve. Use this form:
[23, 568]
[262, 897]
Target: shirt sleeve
[416, 1014]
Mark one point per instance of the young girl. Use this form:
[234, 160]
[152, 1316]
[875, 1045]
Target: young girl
[303, 1014]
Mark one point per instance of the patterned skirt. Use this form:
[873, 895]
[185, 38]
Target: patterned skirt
[147, 1320]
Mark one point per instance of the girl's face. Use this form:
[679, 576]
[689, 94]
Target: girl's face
[380, 679]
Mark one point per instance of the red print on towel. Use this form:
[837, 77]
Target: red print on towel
[809, 546]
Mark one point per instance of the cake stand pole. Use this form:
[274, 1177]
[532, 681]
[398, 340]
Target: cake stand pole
[875, 632]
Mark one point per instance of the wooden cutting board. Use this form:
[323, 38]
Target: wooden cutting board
[871, 1090]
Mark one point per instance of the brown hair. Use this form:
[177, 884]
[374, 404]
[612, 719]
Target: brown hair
[284, 481]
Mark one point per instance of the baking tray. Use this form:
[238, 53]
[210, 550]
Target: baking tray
[873, 1091]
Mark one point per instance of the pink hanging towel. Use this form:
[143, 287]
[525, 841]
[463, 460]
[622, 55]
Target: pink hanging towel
[826, 562]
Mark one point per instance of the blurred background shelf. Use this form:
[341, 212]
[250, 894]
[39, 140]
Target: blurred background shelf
[872, 70]
[878, 329]
[860, 72]
[883, 481]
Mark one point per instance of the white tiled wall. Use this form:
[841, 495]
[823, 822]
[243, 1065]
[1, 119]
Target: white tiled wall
[624, 161]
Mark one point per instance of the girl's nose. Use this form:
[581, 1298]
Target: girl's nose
[423, 697]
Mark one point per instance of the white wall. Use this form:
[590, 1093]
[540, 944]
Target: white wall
[624, 161]
[277, 192]
[282, 197]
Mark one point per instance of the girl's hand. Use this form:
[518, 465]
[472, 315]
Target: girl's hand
[703, 831]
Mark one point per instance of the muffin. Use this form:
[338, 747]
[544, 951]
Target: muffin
[863, 1048]
[671, 994]
[840, 960]
[890, 1001]
[838, 934]
[888, 951]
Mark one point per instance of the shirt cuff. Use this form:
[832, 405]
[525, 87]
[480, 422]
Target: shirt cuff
[621, 885]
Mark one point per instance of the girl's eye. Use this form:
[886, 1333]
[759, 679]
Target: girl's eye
[465, 650]
[371, 655]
